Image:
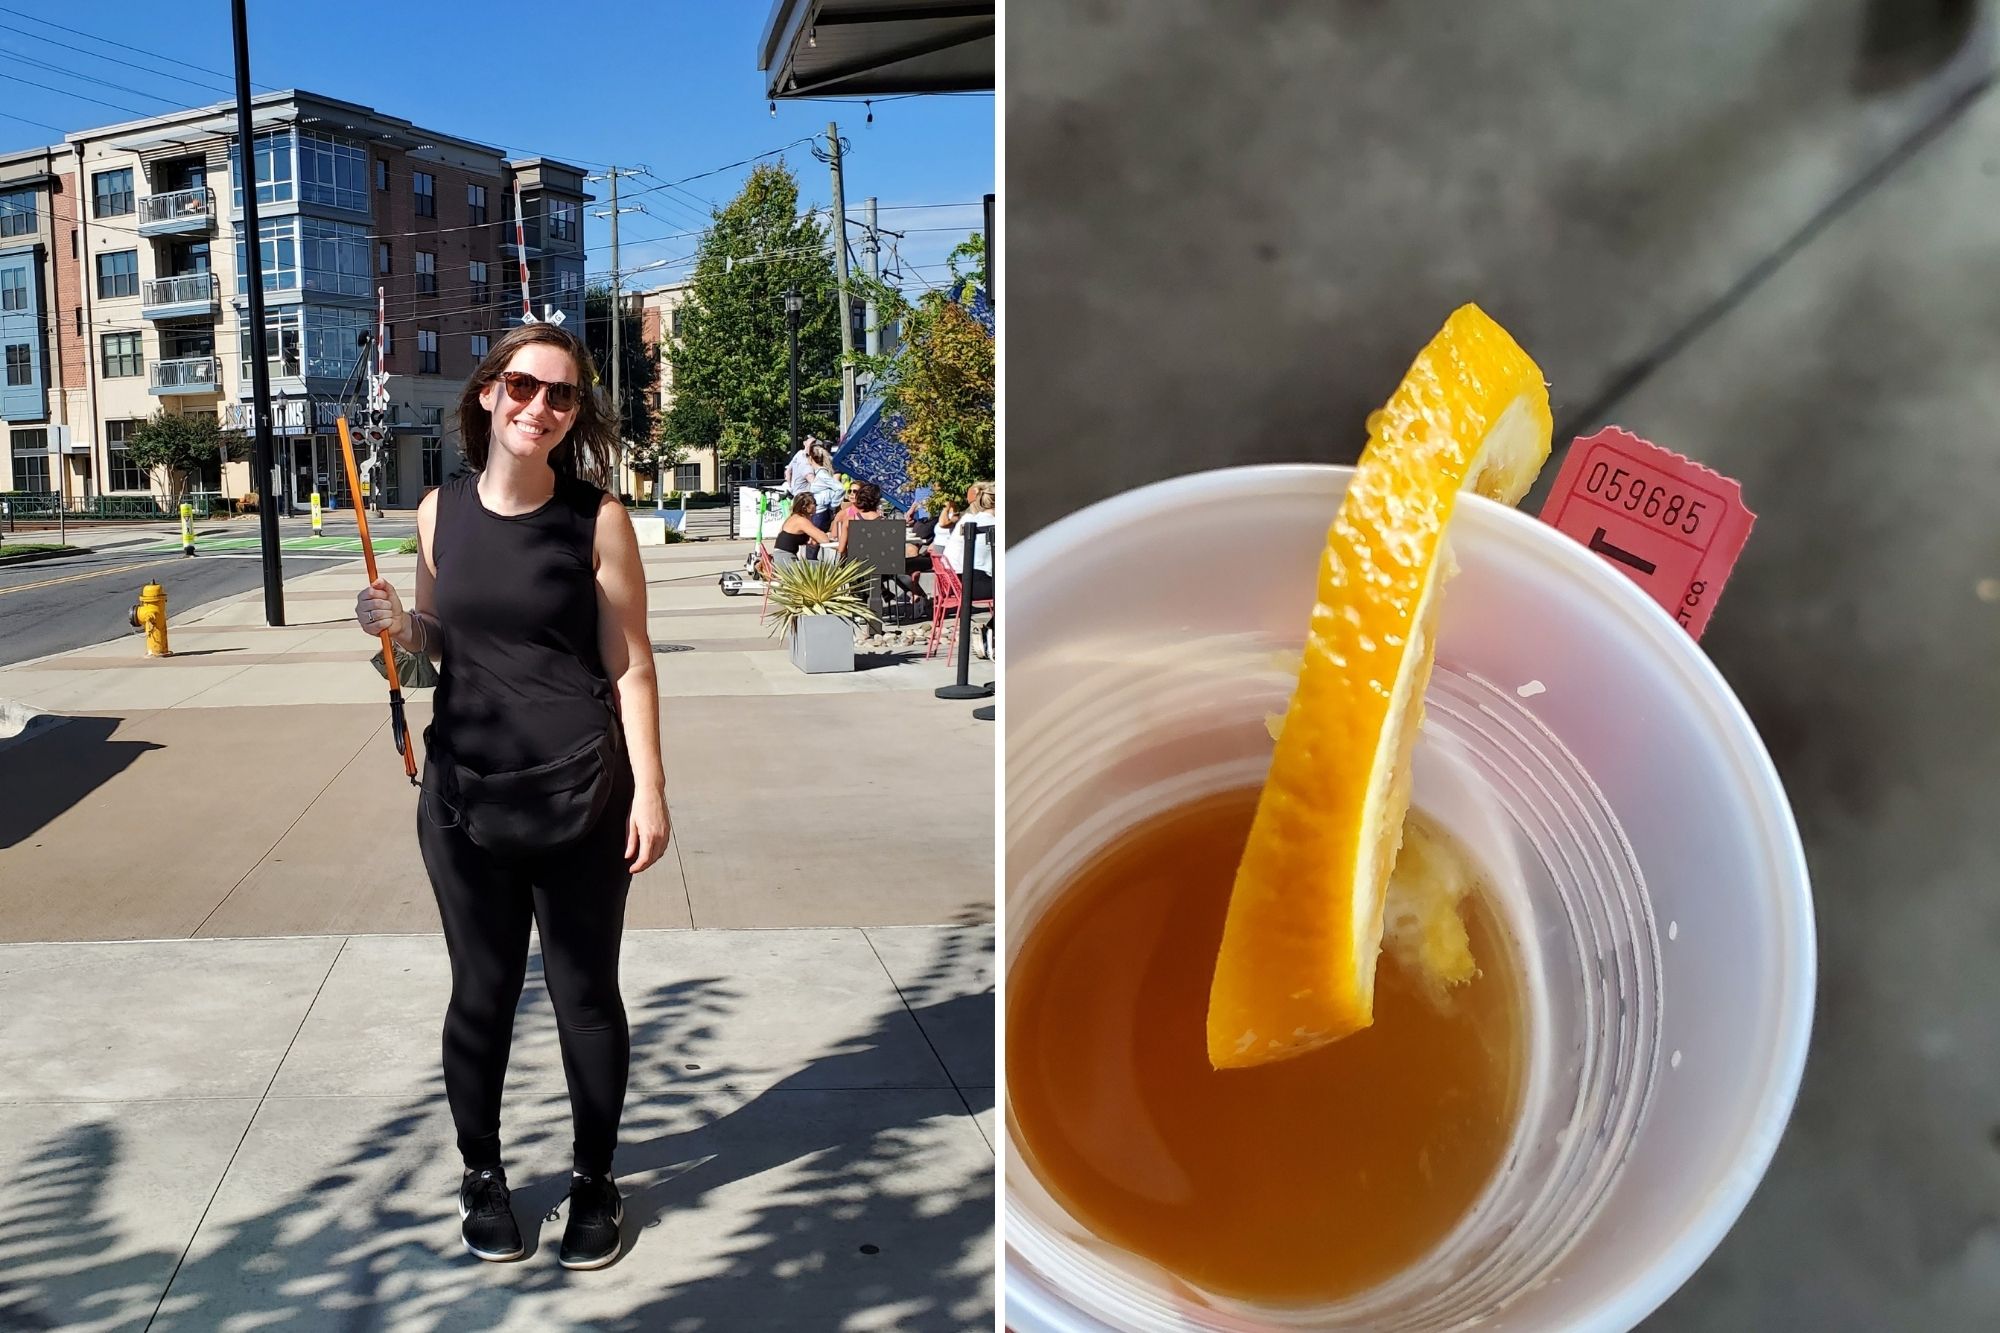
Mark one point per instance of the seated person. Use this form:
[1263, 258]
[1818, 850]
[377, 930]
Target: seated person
[982, 511]
[865, 507]
[799, 528]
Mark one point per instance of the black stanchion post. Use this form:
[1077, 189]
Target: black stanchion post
[962, 690]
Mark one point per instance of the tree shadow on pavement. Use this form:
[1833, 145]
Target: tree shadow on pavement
[807, 1200]
[48, 773]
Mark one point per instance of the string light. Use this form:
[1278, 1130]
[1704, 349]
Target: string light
[774, 108]
[812, 37]
[871, 111]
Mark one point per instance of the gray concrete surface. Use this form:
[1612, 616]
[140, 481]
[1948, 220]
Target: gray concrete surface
[1766, 234]
[222, 1105]
[247, 785]
[211, 1134]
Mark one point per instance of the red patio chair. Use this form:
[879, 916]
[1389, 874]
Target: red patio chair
[944, 605]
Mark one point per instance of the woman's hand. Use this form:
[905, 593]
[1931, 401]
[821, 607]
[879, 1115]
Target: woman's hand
[378, 608]
[648, 828]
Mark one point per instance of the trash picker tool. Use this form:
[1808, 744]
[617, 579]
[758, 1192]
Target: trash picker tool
[398, 724]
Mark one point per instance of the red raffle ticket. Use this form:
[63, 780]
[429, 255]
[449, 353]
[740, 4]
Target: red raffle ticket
[1669, 524]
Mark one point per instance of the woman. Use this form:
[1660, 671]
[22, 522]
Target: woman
[825, 487]
[982, 513]
[866, 507]
[982, 506]
[543, 792]
[799, 527]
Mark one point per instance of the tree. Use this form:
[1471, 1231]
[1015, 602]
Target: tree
[639, 367]
[180, 445]
[940, 380]
[730, 363]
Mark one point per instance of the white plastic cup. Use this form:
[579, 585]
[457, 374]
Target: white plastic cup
[1635, 835]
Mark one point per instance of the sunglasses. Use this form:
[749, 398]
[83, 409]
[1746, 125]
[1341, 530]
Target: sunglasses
[523, 387]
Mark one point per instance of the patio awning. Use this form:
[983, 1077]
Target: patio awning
[863, 48]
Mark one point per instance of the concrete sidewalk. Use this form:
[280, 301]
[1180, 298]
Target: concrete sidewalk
[221, 1005]
[248, 786]
[235, 1134]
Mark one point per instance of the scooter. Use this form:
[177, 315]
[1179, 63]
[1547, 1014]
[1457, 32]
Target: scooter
[748, 579]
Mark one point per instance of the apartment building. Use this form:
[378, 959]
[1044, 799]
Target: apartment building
[41, 360]
[364, 218]
[659, 322]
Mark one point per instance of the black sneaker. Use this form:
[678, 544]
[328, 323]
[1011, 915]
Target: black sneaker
[596, 1212]
[486, 1211]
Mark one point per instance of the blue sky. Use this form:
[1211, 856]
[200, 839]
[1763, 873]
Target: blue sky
[669, 84]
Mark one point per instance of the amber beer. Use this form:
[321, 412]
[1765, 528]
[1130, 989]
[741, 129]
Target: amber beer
[1297, 1182]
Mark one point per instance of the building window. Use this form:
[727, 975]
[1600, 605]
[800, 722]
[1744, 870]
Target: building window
[31, 459]
[427, 352]
[79, 321]
[571, 281]
[381, 173]
[425, 185]
[334, 257]
[388, 342]
[427, 273]
[111, 193]
[122, 357]
[562, 220]
[20, 364]
[475, 204]
[278, 248]
[433, 462]
[17, 212]
[273, 157]
[382, 264]
[125, 474]
[476, 271]
[674, 323]
[687, 476]
[332, 171]
[118, 274]
[481, 345]
[13, 289]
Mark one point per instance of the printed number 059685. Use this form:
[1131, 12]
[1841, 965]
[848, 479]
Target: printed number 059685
[1636, 495]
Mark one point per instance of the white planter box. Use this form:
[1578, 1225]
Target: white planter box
[823, 643]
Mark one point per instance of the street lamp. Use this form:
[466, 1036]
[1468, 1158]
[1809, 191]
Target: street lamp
[792, 304]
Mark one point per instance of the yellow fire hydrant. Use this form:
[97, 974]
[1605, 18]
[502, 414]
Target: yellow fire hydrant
[150, 615]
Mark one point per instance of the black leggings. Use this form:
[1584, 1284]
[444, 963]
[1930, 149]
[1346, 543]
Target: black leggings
[577, 897]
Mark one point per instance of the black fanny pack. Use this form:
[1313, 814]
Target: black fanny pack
[531, 809]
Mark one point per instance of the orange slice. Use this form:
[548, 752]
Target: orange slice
[1297, 964]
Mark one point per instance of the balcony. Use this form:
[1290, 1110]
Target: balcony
[189, 374]
[189, 296]
[177, 212]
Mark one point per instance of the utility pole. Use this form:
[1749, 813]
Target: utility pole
[260, 367]
[840, 264]
[792, 304]
[617, 318]
[872, 247]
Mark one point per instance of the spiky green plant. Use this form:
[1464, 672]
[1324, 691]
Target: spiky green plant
[811, 588]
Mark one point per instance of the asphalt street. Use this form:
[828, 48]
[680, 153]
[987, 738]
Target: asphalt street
[52, 606]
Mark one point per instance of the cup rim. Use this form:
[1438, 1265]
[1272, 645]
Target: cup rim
[1050, 549]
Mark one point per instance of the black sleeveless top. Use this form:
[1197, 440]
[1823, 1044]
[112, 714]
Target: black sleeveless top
[522, 681]
[791, 542]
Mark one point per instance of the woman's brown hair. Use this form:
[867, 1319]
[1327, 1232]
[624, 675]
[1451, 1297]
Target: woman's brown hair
[868, 497]
[587, 450]
[804, 505]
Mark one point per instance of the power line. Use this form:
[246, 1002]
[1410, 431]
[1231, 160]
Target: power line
[40, 124]
[78, 32]
[81, 97]
[78, 74]
[99, 55]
